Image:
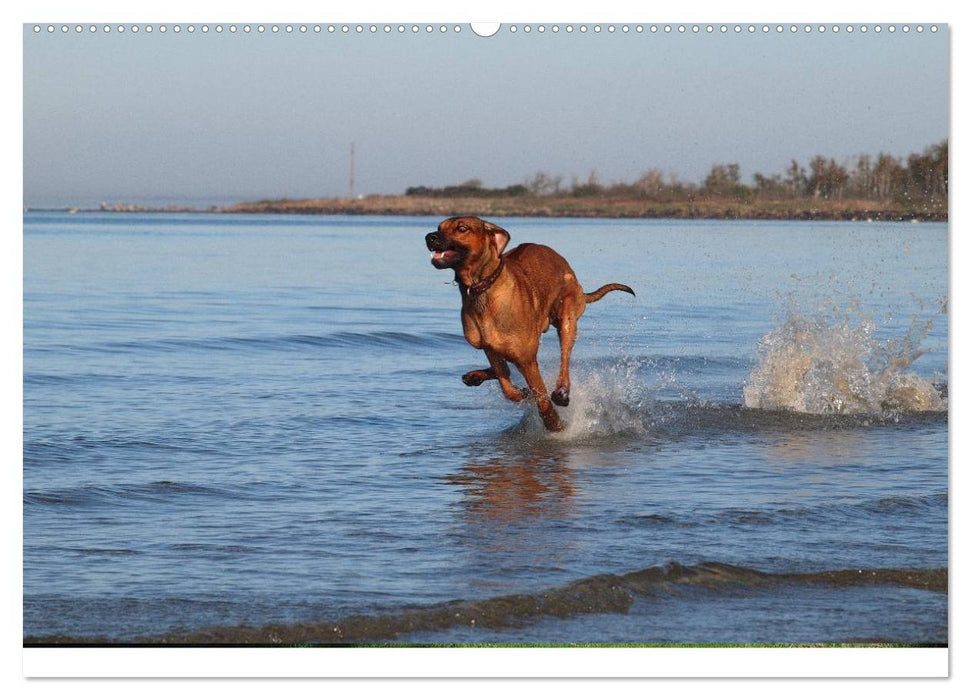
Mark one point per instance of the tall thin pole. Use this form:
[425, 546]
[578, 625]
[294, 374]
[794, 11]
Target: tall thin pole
[352, 171]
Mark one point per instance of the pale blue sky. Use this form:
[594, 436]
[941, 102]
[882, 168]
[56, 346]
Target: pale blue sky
[221, 117]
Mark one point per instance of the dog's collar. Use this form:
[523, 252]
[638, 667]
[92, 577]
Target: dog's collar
[483, 284]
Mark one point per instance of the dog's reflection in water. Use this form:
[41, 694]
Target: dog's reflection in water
[509, 490]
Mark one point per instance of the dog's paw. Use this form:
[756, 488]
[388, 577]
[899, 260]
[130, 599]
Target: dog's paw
[552, 422]
[561, 397]
[473, 378]
[515, 395]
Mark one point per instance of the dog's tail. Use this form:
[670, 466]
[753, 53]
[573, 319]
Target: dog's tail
[614, 287]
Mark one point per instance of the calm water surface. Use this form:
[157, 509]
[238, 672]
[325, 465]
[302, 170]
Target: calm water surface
[246, 420]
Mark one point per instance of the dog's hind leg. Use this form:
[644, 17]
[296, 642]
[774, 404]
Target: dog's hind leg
[566, 327]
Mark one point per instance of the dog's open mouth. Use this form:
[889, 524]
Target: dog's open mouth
[445, 258]
[444, 254]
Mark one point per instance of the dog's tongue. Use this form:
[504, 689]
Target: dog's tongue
[442, 257]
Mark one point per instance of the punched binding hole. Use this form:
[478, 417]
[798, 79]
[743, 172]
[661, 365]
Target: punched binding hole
[485, 29]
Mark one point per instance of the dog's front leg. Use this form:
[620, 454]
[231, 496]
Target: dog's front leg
[477, 376]
[551, 419]
[498, 369]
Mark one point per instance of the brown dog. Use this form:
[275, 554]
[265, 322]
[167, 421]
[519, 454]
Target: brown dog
[508, 301]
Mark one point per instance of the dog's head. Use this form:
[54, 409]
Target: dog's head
[465, 243]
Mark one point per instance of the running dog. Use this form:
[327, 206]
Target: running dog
[508, 301]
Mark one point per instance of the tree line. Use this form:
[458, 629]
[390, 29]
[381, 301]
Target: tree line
[920, 178]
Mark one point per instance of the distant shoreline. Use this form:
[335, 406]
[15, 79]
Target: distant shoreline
[561, 207]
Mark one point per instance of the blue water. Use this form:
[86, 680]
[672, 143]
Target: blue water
[241, 420]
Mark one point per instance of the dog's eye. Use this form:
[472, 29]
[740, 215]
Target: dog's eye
[463, 229]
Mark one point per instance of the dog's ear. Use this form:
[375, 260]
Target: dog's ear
[499, 235]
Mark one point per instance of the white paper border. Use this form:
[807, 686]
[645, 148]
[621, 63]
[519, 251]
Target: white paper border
[407, 662]
[473, 663]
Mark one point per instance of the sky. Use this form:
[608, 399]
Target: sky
[221, 117]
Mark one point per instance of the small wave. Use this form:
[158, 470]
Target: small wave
[38, 379]
[68, 449]
[340, 339]
[105, 552]
[896, 506]
[210, 548]
[96, 379]
[603, 593]
[98, 495]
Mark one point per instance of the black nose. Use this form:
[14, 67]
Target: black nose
[434, 240]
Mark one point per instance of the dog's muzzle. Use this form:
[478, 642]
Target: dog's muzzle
[443, 254]
[435, 241]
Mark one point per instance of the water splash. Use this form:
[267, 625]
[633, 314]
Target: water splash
[605, 401]
[617, 398]
[833, 364]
